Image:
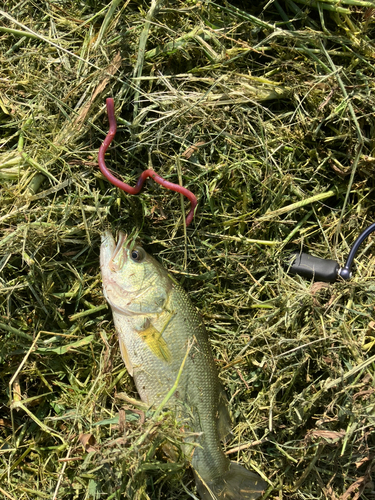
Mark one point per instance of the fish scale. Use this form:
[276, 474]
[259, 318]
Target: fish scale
[156, 325]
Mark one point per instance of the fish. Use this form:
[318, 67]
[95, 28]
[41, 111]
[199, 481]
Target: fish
[162, 339]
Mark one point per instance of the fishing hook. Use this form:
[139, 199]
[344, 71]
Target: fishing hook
[145, 174]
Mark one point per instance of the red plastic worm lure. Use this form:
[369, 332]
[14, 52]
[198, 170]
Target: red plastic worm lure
[147, 173]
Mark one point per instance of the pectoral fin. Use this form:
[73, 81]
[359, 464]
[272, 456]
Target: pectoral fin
[154, 339]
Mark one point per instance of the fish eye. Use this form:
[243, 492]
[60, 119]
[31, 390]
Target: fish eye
[137, 255]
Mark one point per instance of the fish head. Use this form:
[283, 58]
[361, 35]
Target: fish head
[133, 281]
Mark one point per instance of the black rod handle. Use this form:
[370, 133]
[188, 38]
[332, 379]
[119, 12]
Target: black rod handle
[315, 268]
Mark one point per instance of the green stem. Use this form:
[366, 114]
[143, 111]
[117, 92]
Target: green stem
[298, 204]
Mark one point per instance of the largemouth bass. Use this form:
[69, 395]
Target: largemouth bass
[157, 326]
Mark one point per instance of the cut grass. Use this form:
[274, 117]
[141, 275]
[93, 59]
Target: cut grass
[283, 100]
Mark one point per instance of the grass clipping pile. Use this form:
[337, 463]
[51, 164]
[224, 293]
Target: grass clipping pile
[268, 117]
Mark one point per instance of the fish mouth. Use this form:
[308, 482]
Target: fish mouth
[113, 257]
[124, 296]
[120, 242]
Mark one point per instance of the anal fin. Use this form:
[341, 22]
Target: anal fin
[224, 418]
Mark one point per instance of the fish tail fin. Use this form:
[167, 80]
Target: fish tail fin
[237, 483]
